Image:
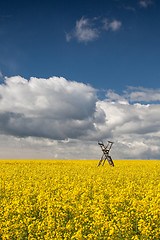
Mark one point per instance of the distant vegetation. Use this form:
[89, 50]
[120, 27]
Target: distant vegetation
[73, 199]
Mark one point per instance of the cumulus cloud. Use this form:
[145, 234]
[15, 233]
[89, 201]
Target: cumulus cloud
[65, 119]
[52, 108]
[87, 30]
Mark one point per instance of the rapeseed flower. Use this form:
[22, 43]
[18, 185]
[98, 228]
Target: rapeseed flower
[73, 199]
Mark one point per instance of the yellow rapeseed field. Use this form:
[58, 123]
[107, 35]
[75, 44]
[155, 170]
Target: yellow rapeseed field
[73, 199]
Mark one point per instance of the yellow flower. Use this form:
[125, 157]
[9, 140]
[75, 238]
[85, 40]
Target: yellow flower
[73, 199]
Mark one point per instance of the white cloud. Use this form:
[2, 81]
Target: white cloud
[111, 95]
[136, 94]
[111, 25]
[84, 31]
[145, 3]
[115, 25]
[87, 30]
[53, 108]
[56, 118]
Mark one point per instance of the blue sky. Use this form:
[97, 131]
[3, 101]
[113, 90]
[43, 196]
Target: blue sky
[76, 72]
[33, 42]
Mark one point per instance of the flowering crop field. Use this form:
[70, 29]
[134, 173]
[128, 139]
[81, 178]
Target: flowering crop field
[75, 199]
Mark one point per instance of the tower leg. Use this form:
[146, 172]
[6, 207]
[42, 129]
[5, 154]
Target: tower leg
[104, 162]
[100, 160]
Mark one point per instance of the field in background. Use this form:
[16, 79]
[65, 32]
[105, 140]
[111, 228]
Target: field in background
[73, 199]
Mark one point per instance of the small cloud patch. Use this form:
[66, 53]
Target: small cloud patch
[88, 30]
